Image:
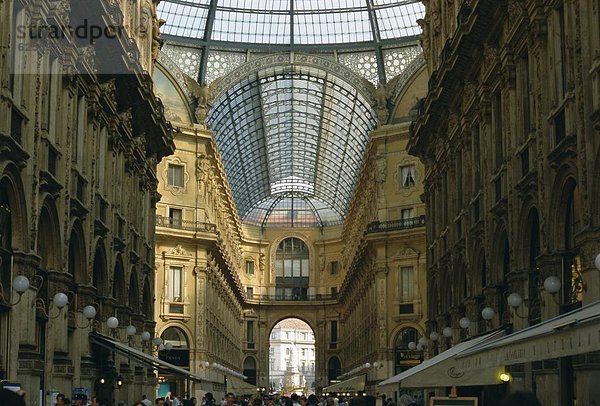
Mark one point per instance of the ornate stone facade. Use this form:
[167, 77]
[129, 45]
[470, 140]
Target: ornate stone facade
[355, 295]
[509, 137]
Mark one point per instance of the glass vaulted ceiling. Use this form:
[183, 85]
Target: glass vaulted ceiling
[299, 22]
[292, 138]
[292, 141]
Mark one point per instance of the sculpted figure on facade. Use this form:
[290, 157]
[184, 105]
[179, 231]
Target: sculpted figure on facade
[380, 101]
[202, 96]
[156, 43]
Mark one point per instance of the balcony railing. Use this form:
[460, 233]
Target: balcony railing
[290, 298]
[186, 225]
[395, 225]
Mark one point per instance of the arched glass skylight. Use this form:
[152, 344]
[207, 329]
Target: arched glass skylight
[292, 141]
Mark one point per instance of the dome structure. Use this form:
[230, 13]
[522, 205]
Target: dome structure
[292, 84]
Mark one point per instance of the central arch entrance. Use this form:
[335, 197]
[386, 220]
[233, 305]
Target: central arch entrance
[292, 357]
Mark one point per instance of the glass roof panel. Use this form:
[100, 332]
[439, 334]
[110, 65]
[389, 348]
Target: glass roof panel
[400, 21]
[183, 19]
[320, 5]
[332, 28]
[296, 137]
[257, 28]
[255, 5]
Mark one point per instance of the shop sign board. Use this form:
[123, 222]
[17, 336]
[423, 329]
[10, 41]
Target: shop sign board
[453, 401]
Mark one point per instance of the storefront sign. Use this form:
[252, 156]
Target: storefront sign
[180, 358]
[444, 401]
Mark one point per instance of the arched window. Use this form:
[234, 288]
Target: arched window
[148, 305]
[100, 271]
[571, 275]
[134, 293]
[5, 243]
[250, 370]
[292, 269]
[176, 337]
[119, 283]
[179, 355]
[334, 369]
[77, 261]
[406, 358]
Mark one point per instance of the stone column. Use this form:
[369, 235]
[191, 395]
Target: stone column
[589, 243]
[472, 312]
[587, 371]
[550, 265]
[547, 382]
[518, 282]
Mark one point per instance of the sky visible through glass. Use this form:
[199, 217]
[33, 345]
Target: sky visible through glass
[301, 22]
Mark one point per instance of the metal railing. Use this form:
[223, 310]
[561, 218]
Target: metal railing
[394, 225]
[187, 225]
[290, 298]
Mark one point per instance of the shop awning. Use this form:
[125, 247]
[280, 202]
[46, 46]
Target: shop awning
[573, 333]
[356, 384]
[239, 387]
[141, 357]
[443, 370]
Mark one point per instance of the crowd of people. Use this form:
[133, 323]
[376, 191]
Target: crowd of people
[11, 398]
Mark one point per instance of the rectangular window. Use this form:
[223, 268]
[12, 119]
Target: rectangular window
[334, 331]
[279, 267]
[525, 162]
[406, 214]
[175, 177]
[51, 102]
[560, 65]
[287, 268]
[250, 331]
[407, 176]
[175, 217]
[176, 284]
[497, 125]
[101, 157]
[335, 267]
[250, 267]
[18, 58]
[304, 268]
[249, 292]
[525, 94]
[459, 182]
[334, 291]
[476, 158]
[406, 283]
[560, 127]
[498, 188]
[79, 133]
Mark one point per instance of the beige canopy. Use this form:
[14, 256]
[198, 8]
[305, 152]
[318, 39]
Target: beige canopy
[572, 333]
[356, 384]
[443, 370]
[239, 387]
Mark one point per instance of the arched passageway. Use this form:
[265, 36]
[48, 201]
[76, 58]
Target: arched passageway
[292, 357]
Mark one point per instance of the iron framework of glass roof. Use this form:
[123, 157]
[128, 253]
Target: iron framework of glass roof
[291, 25]
[292, 141]
[292, 137]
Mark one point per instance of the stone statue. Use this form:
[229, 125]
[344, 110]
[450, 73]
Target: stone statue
[381, 97]
[156, 43]
[203, 96]
[145, 21]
